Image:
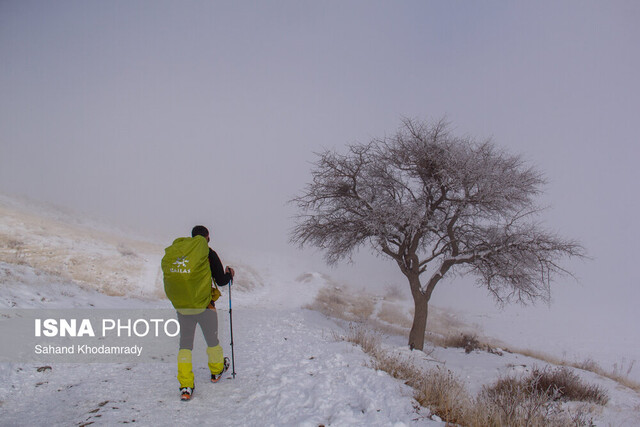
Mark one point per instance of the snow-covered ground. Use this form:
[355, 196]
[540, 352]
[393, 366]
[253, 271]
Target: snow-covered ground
[291, 368]
[609, 340]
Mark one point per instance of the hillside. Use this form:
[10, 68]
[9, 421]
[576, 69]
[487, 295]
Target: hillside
[295, 366]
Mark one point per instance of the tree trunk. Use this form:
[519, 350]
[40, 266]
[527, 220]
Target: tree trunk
[421, 304]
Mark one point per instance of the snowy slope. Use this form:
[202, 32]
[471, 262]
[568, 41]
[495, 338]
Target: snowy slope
[290, 371]
[291, 368]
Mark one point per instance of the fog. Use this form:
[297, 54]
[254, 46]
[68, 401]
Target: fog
[158, 115]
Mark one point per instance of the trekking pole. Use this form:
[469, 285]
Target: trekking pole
[233, 360]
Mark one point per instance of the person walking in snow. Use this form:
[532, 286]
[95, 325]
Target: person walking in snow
[189, 266]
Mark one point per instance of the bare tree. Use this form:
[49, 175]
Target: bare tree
[437, 204]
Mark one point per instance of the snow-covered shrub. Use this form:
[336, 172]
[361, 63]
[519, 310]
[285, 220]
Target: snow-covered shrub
[564, 384]
[443, 393]
[535, 400]
[514, 402]
[467, 341]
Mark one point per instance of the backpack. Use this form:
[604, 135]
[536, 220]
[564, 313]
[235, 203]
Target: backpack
[187, 275]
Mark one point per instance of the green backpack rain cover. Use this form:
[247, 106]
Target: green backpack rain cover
[187, 275]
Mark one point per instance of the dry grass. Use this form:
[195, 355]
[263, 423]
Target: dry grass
[535, 354]
[588, 365]
[11, 249]
[467, 341]
[444, 394]
[393, 293]
[437, 389]
[359, 335]
[393, 317]
[93, 259]
[535, 400]
[511, 402]
[619, 373]
[623, 369]
[334, 302]
[558, 384]
[443, 322]
[567, 385]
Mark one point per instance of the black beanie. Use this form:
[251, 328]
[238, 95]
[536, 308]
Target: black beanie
[199, 230]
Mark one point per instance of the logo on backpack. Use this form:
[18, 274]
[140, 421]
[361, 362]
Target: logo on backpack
[181, 262]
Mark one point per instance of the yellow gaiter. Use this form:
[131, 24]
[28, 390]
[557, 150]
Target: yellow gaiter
[185, 371]
[216, 359]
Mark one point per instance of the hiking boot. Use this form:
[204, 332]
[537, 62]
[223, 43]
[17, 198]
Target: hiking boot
[216, 377]
[186, 393]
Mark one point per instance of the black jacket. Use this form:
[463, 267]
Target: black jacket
[217, 271]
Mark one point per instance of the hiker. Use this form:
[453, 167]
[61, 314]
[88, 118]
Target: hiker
[189, 265]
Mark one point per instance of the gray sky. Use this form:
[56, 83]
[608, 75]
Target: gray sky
[161, 114]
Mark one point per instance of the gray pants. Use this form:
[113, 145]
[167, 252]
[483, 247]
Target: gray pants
[208, 321]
